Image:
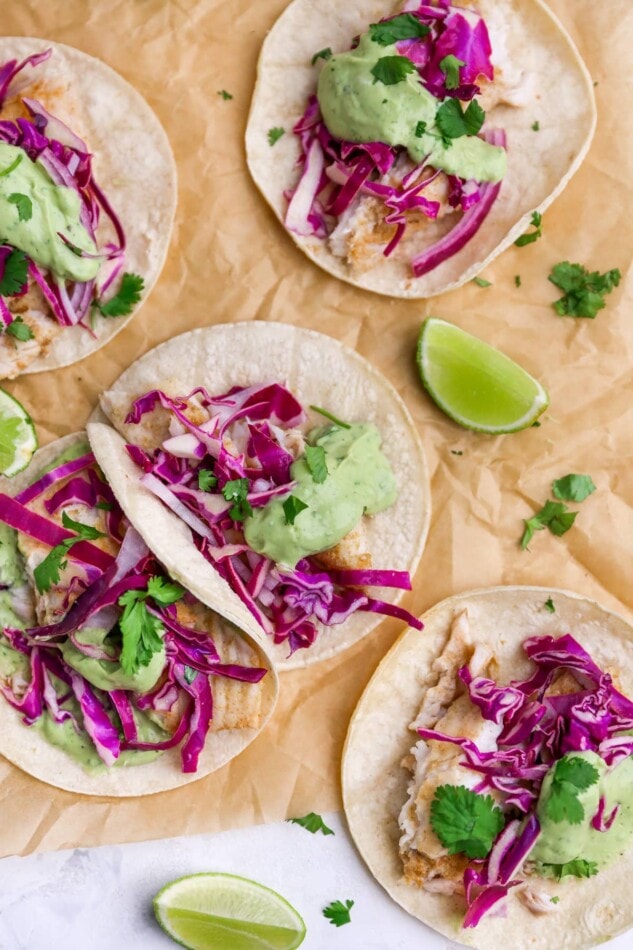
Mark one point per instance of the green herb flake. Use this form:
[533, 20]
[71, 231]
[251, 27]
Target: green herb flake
[553, 515]
[275, 134]
[292, 507]
[391, 70]
[12, 167]
[237, 491]
[453, 122]
[24, 205]
[316, 462]
[464, 821]
[584, 291]
[456, 452]
[338, 912]
[225, 95]
[450, 66]
[517, 280]
[549, 606]
[20, 330]
[481, 282]
[164, 592]
[406, 26]
[573, 487]
[328, 415]
[15, 273]
[536, 126]
[554, 900]
[536, 221]
[572, 775]
[206, 479]
[420, 129]
[47, 572]
[190, 674]
[127, 297]
[312, 823]
[322, 54]
[104, 505]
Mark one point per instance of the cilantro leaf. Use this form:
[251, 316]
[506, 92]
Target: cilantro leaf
[391, 70]
[225, 95]
[549, 606]
[465, 821]
[553, 515]
[536, 126]
[517, 280]
[584, 291]
[14, 276]
[450, 66]
[19, 330]
[554, 900]
[328, 415]
[237, 491]
[164, 592]
[571, 776]
[10, 168]
[453, 122]
[86, 532]
[292, 507]
[532, 236]
[126, 299]
[402, 27]
[24, 205]
[482, 282]
[206, 479]
[573, 487]
[275, 134]
[315, 460]
[312, 823]
[47, 571]
[578, 772]
[338, 912]
[420, 129]
[190, 674]
[141, 632]
[576, 868]
[322, 54]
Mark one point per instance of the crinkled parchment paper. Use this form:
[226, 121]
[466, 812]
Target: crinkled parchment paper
[230, 260]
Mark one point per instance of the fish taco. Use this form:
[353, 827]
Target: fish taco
[404, 146]
[488, 770]
[87, 200]
[116, 677]
[289, 463]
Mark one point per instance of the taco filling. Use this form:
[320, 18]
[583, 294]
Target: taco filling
[516, 785]
[395, 137]
[100, 651]
[276, 500]
[62, 245]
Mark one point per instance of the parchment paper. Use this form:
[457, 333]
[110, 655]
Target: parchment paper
[230, 260]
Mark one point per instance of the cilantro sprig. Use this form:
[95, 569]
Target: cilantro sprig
[450, 66]
[14, 277]
[237, 491]
[19, 330]
[141, 630]
[123, 302]
[338, 912]
[536, 222]
[406, 26]
[584, 291]
[23, 204]
[206, 479]
[390, 70]
[47, 571]
[571, 776]
[312, 823]
[553, 515]
[453, 122]
[573, 487]
[465, 821]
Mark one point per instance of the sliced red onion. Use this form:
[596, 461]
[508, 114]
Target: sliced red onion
[55, 128]
[299, 209]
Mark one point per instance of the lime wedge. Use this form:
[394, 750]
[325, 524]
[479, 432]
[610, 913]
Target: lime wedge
[18, 439]
[474, 384]
[225, 912]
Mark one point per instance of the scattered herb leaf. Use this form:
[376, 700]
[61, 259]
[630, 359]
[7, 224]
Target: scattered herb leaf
[453, 122]
[573, 487]
[482, 282]
[584, 291]
[450, 66]
[549, 605]
[312, 823]
[532, 236]
[420, 129]
[553, 515]
[391, 70]
[456, 452]
[20, 330]
[536, 126]
[517, 280]
[577, 868]
[125, 299]
[140, 628]
[572, 775]
[190, 674]
[465, 821]
[315, 460]
[292, 507]
[206, 479]
[24, 205]
[402, 27]
[225, 95]
[47, 571]
[554, 900]
[328, 415]
[275, 134]
[237, 491]
[322, 54]
[338, 912]
[104, 505]
[14, 276]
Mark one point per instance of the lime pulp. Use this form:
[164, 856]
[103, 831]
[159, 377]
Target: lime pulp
[18, 439]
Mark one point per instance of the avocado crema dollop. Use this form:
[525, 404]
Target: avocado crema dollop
[359, 481]
[359, 108]
[53, 210]
[563, 841]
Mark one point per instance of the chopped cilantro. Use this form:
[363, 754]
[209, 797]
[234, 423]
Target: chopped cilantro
[292, 507]
[405, 26]
[465, 821]
[328, 415]
[14, 276]
[517, 280]
[322, 54]
[453, 122]
[338, 912]
[164, 592]
[20, 330]
[584, 291]
[553, 515]
[391, 70]
[24, 205]
[573, 487]
[275, 134]
[140, 628]
[315, 460]
[420, 129]
[190, 674]
[532, 236]
[312, 823]
[576, 868]
[549, 606]
[481, 282]
[47, 571]
[450, 66]
[225, 95]
[237, 492]
[104, 505]
[571, 776]
[536, 126]
[126, 299]
[10, 168]
[206, 479]
[456, 452]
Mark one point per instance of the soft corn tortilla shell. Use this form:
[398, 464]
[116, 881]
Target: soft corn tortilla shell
[375, 784]
[27, 749]
[319, 371]
[133, 164]
[561, 97]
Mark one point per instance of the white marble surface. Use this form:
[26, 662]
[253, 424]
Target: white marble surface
[101, 899]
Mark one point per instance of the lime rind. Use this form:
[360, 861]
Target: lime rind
[494, 373]
[18, 438]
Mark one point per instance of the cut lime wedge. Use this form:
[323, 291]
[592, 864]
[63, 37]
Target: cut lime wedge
[474, 384]
[18, 439]
[224, 912]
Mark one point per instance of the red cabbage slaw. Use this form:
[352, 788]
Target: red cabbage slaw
[334, 173]
[536, 731]
[65, 157]
[93, 596]
[242, 438]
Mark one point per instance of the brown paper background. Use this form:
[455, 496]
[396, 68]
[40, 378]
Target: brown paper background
[230, 260]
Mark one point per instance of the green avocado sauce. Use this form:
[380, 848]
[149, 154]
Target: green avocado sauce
[359, 481]
[561, 842]
[55, 210]
[106, 674]
[357, 108]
